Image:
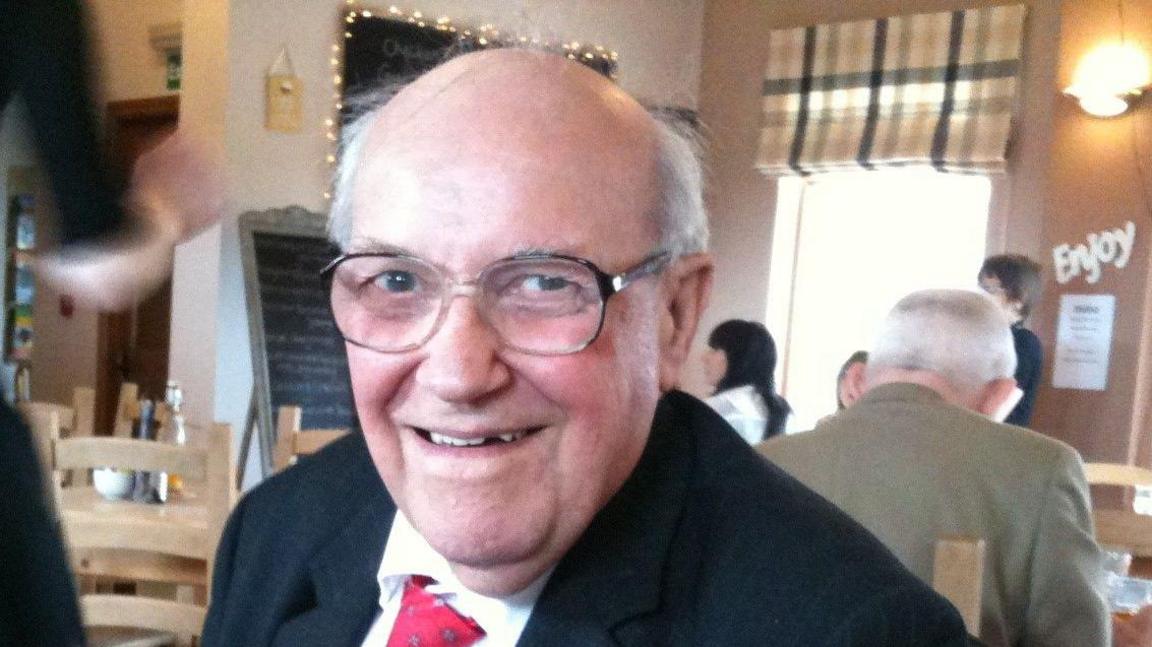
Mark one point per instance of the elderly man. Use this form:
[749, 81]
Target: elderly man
[916, 458]
[523, 274]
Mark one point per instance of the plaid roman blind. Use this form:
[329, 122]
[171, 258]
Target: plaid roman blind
[919, 90]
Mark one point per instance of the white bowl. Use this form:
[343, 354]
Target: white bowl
[113, 484]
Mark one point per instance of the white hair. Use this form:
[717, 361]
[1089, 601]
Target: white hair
[681, 218]
[963, 336]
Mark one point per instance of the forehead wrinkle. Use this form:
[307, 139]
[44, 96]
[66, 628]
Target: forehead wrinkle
[510, 133]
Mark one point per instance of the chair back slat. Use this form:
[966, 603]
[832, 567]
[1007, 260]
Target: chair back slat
[127, 409]
[94, 452]
[1124, 530]
[1121, 529]
[89, 532]
[1117, 474]
[958, 575]
[107, 610]
[84, 412]
[293, 442]
[139, 566]
[313, 440]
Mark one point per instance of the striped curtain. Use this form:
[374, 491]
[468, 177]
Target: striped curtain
[920, 90]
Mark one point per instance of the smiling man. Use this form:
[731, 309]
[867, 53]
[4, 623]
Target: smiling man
[524, 267]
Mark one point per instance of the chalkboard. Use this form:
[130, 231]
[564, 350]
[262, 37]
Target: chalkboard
[298, 355]
[379, 50]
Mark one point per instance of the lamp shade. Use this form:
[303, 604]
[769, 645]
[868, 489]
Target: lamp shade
[1109, 77]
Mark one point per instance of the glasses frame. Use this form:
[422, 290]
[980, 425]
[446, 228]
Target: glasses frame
[608, 284]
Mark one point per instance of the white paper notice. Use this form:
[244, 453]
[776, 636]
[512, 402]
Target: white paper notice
[1084, 341]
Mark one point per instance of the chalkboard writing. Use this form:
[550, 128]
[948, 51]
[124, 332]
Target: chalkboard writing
[380, 51]
[298, 355]
[305, 354]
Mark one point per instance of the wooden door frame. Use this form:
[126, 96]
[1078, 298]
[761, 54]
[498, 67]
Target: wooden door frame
[119, 115]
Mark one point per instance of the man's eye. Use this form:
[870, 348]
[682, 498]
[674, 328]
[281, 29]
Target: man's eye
[397, 281]
[544, 283]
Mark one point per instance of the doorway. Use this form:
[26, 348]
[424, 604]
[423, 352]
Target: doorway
[132, 346]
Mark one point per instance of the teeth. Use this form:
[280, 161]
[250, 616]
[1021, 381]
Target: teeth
[441, 439]
[455, 442]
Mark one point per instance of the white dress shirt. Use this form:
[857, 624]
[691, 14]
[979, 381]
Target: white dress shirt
[407, 553]
[744, 409]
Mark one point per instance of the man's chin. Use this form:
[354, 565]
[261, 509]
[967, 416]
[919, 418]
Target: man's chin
[492, 563]
[500, 580]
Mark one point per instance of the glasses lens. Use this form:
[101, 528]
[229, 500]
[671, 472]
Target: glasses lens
[542, 305]
[389, 303]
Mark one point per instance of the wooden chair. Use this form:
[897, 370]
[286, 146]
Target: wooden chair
[958, 575]
[1124, 529]
[173, 543]
[293, 442]
[127, 409]
[75, 420]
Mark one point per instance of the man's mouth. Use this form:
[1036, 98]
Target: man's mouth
[479, 441]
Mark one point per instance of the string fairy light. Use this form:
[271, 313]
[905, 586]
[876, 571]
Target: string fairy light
[483, 37]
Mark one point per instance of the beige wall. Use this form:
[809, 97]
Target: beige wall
[1068, 175]
[127, 66]
[1100, 175]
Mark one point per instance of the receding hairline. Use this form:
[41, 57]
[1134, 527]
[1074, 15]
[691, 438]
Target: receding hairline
[544, 76]
[674, 144]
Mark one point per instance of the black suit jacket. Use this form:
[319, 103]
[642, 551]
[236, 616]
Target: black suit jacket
[705, 544]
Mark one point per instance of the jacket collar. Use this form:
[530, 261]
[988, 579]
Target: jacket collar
[343, 571]
[613, 574]
[901, 392]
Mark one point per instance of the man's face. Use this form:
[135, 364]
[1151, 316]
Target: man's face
[481, 174]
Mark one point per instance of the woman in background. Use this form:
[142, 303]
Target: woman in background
[740, 366]
[1013, 280]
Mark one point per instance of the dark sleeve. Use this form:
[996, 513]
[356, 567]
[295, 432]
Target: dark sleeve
[43, 59]
[37, 593]
[1029, 363]
[909, 617]
[221, 578]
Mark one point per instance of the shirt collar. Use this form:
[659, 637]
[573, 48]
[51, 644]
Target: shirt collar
[408, 553]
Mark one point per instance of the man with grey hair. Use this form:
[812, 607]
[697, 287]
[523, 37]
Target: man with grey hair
[917, 458]
[523, 270]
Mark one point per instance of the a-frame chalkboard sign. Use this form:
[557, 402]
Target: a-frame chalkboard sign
[297, 354]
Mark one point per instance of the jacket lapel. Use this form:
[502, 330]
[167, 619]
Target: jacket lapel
[344, 580]
[612, 577]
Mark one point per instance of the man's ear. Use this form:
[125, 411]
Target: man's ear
[853, 383]
[688, 284]
[997, 398]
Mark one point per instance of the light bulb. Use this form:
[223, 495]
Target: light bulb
[1108, 78]
[1103, 105]
[1112, 68]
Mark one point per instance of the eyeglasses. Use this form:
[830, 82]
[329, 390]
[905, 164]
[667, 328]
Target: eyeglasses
[541, 304]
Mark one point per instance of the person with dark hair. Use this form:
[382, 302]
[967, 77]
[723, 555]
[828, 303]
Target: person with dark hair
[1013, 280]
[740, 367]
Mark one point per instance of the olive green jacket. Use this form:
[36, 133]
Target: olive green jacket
[911, 467]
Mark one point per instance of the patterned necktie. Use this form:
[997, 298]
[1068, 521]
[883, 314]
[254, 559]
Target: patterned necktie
[426, 621]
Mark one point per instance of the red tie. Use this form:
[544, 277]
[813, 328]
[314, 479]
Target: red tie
[426, 621]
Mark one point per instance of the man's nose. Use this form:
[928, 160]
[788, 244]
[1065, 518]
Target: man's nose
[462, 362]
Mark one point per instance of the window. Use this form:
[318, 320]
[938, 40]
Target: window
[846, 247]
